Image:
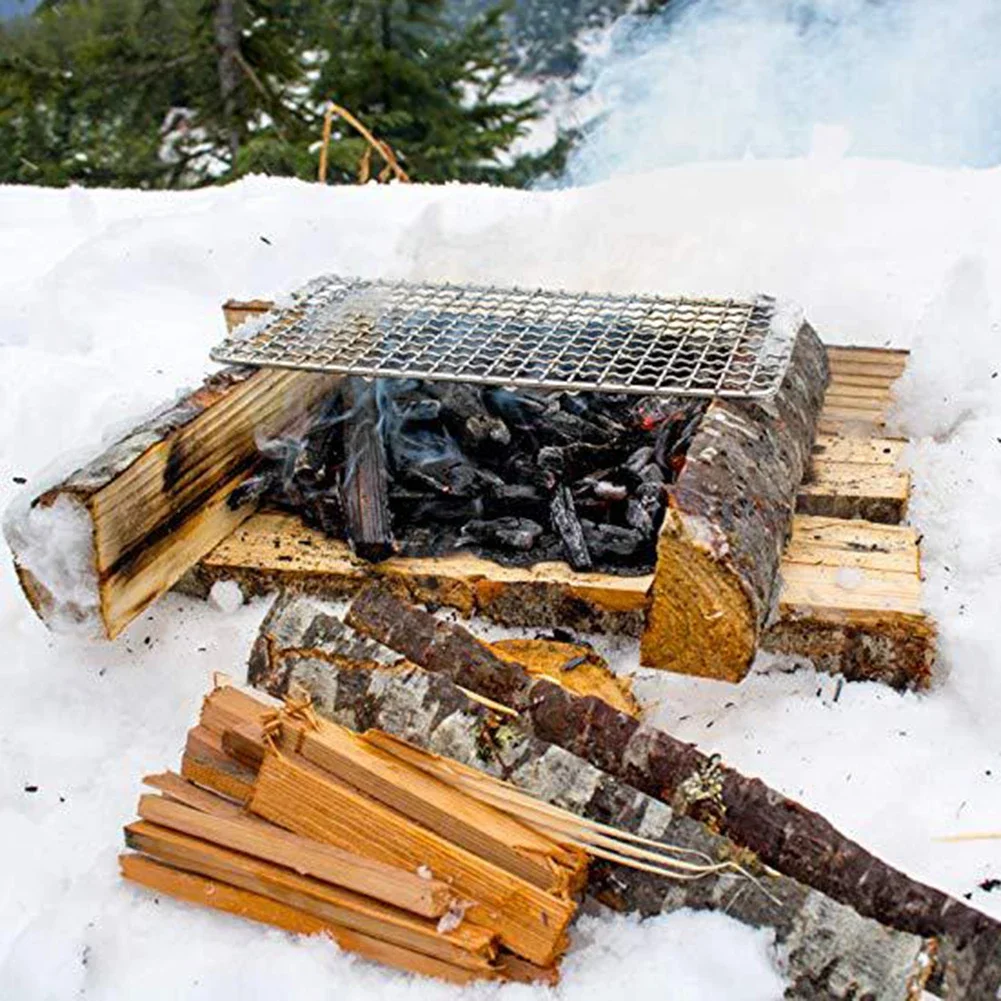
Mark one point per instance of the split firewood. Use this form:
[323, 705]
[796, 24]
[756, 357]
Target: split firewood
[155, 501]
[222, 896]
[825, 948]
[358, 861]
[781, 832]
[429, 897]
[728, 517]
[292, 793]
[467, 945]
[364, 483]
[326, 787]
[486, 831]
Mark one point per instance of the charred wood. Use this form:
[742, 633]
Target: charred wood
[365, 481]
[565, 522]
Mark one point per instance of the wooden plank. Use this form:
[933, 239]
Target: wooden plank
[879, 451]
[820, 541]
[273, 550]
[466, 822]
[853, 426]
[255, 907]
[866, 490]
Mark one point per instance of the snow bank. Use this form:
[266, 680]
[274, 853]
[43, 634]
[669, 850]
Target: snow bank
[109, 301]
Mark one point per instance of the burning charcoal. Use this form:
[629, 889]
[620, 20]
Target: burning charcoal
[446, 510]
[253, 489]
[611, 540]
[574, 403]
[583, 406]
[423, 411]
[483, 430]
[515, 499]
[552, 459]
[652, 474]
[325, 513]
[604, 490]
[639, 460]
[448, 475]
[514, 533]
[560, 426]
[564, 521]
[675, 435]
[638, 517]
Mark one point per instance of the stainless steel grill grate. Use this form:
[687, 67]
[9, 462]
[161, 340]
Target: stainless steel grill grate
[520, 337]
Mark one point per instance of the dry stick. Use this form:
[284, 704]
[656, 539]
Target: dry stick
[427, 897]
[296, 795]
[466, 945]
[826, 949]
[233, 900]
[450, 812]
[781, 832]
[383, 149]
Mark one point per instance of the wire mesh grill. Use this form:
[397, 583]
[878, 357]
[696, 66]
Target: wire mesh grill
[520, 337]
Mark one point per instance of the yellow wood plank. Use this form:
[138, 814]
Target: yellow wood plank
[877, 451]
[820, 541]
[846, 590]
[845, 394]
[858, 479]
[863, 480]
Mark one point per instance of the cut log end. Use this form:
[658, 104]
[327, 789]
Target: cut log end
[700, 620]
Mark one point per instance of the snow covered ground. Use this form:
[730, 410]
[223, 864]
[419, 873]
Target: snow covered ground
[109, 302]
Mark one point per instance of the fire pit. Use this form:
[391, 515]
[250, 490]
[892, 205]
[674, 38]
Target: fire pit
[550, 478]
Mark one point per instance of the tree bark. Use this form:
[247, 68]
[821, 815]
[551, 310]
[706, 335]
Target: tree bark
[728, 518]
[226, 23]
[827, 951]
[781, 832]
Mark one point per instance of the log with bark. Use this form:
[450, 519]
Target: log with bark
[728, 517]
[827, 950]
[781, 832]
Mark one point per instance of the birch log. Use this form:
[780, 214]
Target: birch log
[728, 518]
[784, 834]
[827, 951]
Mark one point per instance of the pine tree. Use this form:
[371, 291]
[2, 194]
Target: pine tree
[174, 93]
[433, 92]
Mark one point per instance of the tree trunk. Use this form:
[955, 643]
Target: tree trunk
[828, 952]
[226, 22]
[781, 832]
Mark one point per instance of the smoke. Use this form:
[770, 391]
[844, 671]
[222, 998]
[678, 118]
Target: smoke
[913, 80]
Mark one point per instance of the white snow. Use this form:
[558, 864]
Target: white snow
[109, 301]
